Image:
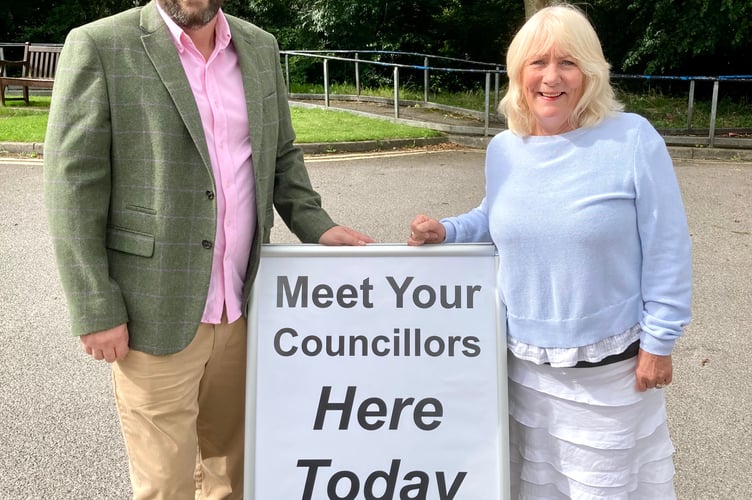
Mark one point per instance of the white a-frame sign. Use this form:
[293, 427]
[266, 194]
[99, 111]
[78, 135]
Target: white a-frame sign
[376, 373]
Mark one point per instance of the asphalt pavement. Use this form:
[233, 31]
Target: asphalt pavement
[59, 435]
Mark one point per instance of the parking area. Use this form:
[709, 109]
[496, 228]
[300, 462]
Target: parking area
[58, 427]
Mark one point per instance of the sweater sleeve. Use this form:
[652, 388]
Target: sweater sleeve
[471, 227]
[666, 276]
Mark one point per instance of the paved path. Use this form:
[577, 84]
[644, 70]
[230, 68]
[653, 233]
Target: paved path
[59, 437]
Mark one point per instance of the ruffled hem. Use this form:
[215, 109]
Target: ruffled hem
[546, 457]
[608, 427]
[568, 490]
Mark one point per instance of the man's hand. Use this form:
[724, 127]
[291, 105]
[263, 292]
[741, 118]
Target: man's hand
[109, 345]
[341, 235]
[653, 372]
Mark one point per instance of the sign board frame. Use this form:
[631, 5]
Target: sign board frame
[308, 255]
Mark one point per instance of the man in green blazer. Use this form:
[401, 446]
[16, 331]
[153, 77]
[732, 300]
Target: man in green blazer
[133, 154]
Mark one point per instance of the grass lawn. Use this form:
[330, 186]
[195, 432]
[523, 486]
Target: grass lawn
[327, 125]
[19, 123]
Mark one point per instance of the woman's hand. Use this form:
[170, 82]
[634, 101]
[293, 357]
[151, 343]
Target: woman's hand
[424, 229]
[653, 372]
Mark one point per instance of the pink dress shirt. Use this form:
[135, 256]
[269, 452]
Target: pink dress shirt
[217, 86]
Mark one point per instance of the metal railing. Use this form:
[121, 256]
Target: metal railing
[691, 97]
[495, 70]
[489, 71]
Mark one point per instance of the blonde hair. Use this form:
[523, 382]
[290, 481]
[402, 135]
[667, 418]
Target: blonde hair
[566, 29]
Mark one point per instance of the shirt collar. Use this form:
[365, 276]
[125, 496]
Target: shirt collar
[222, 33]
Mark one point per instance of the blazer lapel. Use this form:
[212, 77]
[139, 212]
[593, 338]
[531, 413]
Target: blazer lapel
[161, 51]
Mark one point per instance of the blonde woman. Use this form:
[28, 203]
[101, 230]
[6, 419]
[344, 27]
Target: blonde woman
[595, 270]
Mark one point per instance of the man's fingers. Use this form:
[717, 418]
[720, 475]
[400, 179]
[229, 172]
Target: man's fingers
[109, 345]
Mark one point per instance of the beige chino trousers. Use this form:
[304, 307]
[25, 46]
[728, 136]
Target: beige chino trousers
[182, 416]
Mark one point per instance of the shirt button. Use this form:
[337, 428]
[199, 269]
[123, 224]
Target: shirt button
[206, 244]
[210, 195]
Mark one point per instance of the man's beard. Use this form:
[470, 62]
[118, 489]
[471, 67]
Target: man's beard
[190, 18]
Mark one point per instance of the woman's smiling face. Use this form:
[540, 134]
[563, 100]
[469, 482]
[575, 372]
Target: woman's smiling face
[553, 85]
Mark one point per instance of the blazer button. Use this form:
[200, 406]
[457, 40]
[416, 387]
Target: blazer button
[206, 244]
[210, 195]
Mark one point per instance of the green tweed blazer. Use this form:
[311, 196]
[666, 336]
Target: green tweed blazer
[129, 184]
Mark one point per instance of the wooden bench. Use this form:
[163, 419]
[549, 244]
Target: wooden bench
[37, 70]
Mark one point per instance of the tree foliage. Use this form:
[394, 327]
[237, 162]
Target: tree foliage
[475, 29]
[714, 35]
[50, 20]
[698, 37]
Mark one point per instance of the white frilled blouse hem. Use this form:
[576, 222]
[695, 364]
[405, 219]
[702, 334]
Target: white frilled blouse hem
[570, 356]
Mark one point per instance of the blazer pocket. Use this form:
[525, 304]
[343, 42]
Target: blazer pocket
[131, 242]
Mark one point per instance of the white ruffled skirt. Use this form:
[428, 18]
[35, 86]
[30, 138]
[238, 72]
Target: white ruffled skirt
[586, 434]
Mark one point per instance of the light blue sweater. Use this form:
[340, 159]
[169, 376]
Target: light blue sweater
[591, 234]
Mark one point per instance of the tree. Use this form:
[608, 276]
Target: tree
[533, 6]
[476, 30]
[690, 36]
[51, 20]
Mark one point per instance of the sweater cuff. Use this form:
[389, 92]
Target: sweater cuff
[451, 232]
[650, 344]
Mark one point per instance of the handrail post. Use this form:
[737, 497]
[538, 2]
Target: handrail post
[287, 71]
[690, 104]
[496, 89]
[357, 75]
[713, 111]
[326, 82]
[396, 92]
[425, 79]
[487, 104]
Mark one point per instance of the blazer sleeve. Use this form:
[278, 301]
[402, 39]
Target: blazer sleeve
[77, 184]
[297, 203]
